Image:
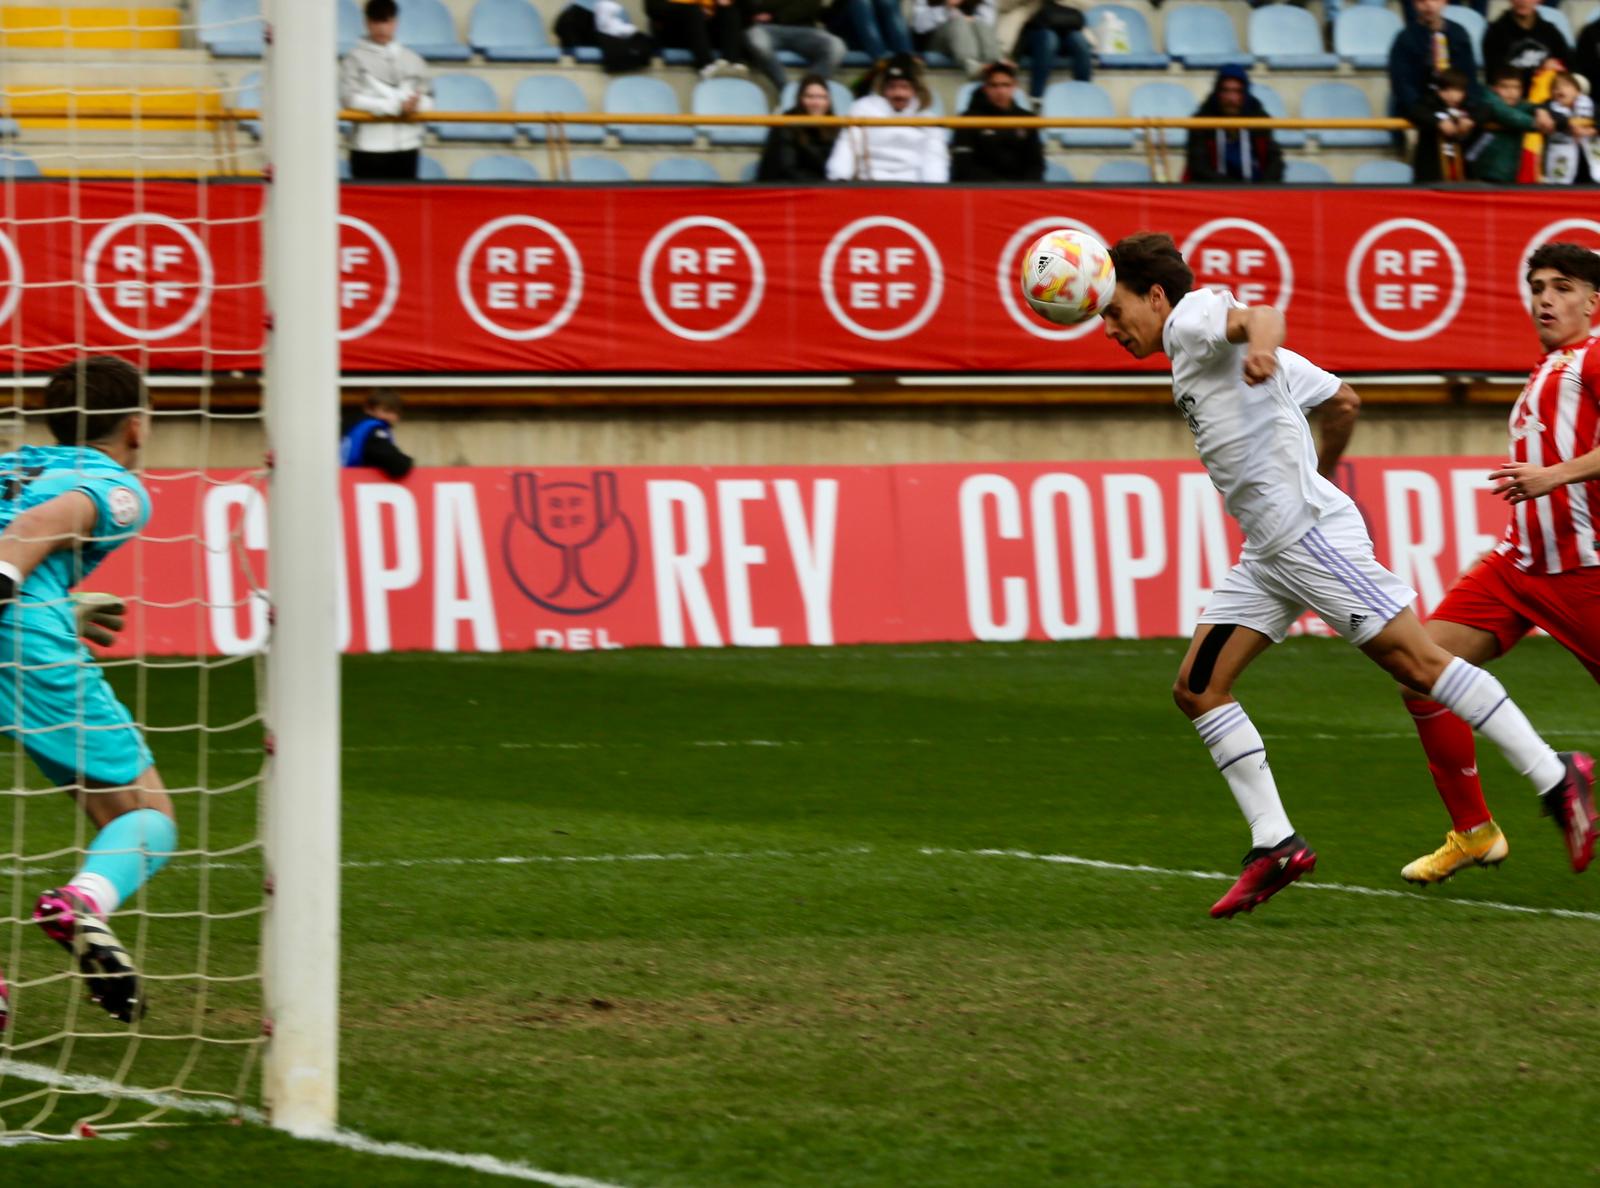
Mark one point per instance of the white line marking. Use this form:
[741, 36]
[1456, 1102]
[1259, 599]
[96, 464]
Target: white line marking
[349, 1139]
[1218, 876]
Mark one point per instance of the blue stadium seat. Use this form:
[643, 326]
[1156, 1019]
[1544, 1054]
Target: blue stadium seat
[17, 164]
[425, 26]
[1559, 19]
[672, 55]
[429, 169]
[1470, 20]
[747, 172]
[1338, 100]
[855, 58]
[729, 96]
[1288, 38]
[639, 95]
[1141, 52]
[1306, 173]
[502, 167]
[510, 31]
[1362, 36]
[1057, 174]
[352, 28]
[467, 92]
[842, 98]
[598, 169]
[232, 28]
[1119, 171]
[248, 98]
[937, 61]
[1382, 173]
[1278, 110]
[1203, 38]
[684, 169]
[1164, 99]
[1084, 99]
[551, 93]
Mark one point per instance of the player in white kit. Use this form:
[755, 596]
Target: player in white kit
[1306, 546]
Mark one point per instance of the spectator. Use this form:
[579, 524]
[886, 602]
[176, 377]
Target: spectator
[1408, 11]
[959, 29]
[711, 30]
[1571, 153]
[997, 154]
[1429, 46]
[1522, 38]
[1587, 63]
[1444, 129]
[623, 47]
[383, 77]
[369, 438]
[1504, 118]
[1228, 155]
[800, 154]
[1042, 30]
[876, 27]
[891, 154]
[791, 25]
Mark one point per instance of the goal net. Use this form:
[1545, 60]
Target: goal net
[133, 222]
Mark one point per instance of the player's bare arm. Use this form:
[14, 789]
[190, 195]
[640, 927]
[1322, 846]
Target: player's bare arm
[1337, 415]
[1518, 482]
[1261, 329]
[57, 524]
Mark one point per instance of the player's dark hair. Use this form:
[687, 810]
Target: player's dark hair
[1505, 74]
[1148, 259]
[1569, 259]
[89, 399]
[382, 10]
[384, 400]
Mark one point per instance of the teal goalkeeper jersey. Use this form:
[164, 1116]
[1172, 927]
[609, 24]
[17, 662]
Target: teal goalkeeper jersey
[34, 475]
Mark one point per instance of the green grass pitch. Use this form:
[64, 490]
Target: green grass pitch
[821, 984]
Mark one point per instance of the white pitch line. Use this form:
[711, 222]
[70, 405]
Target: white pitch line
[349, 1139]
[1219, 876]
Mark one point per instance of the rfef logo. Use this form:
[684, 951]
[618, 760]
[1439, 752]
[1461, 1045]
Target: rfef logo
[702, 278]
[148, 276]
[1245, 258]
[369, 278]
[1406, 280]
[568, 545]
[520, 278]
[11, 278]
[881, 278]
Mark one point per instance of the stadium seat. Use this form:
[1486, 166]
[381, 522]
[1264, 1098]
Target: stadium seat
[1559, 19]
[1120, 171]
[1288, 38]
[1162, 99]
[684, 169]
[552, 93]
[1203, 38]
[1057, 174]
[1584, 18]
[1338, 100]
[502, 167]
[1470, 20]
[1382, 173]
[842, 98]
[425, 26]
[1117, 25]
[15, 164]
[598, 169]
[351, 26]
[1362, 36]
[1084, 99]
[937, 61]
[1306, 173]
[748, 171]
[1278, 110]
[729, 96]
[248, 98]
[429, 169]
[639, 95]
[344, 169]
[232, 28]
[467, 92]
[510, 31]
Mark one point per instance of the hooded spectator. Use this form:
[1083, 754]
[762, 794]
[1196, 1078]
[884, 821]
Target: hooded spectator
[1233, 154]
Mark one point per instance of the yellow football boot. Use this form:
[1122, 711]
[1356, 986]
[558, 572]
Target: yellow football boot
[1483, 846]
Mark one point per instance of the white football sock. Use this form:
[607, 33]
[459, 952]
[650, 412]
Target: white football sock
[98, 888]
[1480, 701]
[1241, 757]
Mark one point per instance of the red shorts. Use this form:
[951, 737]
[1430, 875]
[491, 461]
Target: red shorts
[1497, 597]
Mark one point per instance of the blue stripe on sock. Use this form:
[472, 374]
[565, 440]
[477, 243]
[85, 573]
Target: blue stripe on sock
[1236, 758]
[1478, 725]
[1220, 728]
[1455, 685]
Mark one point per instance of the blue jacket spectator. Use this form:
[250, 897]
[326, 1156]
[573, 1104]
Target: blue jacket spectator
[369, 439]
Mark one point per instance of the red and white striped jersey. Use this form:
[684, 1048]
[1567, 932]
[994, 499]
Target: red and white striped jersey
[1556, 419]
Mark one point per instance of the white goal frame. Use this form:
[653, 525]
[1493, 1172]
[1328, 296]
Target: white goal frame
[300, 942]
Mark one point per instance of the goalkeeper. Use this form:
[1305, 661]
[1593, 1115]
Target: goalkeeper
[63, 510]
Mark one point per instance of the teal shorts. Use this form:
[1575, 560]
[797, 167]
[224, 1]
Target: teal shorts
[62, 710]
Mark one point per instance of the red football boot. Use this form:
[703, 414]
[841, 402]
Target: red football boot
[1266, 872]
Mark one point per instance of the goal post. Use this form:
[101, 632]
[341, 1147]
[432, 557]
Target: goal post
[301, 930]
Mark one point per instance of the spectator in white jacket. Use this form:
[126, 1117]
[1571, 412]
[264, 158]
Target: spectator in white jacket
[892, 154]
[381, 76]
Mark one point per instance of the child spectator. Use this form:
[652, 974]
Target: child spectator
[1505, 117]
[1443, 130]
[1571, 153]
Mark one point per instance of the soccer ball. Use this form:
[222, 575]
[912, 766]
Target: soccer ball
[1067, 277]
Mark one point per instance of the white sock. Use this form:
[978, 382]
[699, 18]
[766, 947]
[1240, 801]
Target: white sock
[1480, 701]
[98, 888]
[1241, 757]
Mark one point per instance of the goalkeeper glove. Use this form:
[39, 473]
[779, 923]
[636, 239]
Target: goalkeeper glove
[100, 617]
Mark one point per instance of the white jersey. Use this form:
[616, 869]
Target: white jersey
[1254, 440]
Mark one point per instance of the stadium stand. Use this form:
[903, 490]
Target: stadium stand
[598, 169]
[1340, 100]
[1382, 173]
[232, 28]
[1118, 25]
[1472, 21]
[502, 167]
[1057, 173]
[1288, 38]
[1203, 38]
[429, 169]
[1307, 173]
[683, 169]
[730, 96]
[1072, 98]
[510, 31]
[552, 93]
[467, 93]
[637, 95]
[1165, 99]
[1278, 110]
[427, 27]
[1362, 36]
[1121, 171]
[14, 164]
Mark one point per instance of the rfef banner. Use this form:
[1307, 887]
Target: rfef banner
[526, 279]
[481, 560]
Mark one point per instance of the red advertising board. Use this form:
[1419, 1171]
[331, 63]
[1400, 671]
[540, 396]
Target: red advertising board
[526, 279]
[490, 560]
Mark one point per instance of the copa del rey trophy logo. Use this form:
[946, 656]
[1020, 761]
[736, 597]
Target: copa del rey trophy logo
[567, 544]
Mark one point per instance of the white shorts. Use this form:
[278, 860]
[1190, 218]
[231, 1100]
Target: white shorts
[1330, 570]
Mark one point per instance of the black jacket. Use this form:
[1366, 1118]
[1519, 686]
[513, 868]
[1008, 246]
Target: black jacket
[996, 154]
[803, 13]
[1411, 65]
[369, 441]
[1206, 159]
[1426, 165]
[796, 154]
[1507, 44]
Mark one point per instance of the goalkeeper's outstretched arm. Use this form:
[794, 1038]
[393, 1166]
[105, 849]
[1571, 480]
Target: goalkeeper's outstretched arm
[59, 523]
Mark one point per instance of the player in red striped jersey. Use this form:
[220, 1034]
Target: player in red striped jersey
[1545, 572]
